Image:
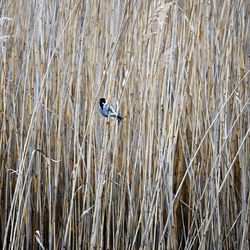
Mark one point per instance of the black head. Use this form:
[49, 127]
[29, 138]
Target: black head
[102, 101]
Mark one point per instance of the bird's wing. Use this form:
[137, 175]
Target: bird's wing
[112, 110]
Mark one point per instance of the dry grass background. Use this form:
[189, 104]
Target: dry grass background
[174, 175]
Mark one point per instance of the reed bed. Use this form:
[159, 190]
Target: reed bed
[175, 174]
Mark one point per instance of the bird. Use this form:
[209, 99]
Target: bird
[108, 110]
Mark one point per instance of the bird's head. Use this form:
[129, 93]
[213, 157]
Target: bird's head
[102, 102]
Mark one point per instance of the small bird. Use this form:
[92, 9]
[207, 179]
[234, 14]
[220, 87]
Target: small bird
[108, 110]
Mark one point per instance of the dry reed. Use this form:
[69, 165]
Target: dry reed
[174, 175]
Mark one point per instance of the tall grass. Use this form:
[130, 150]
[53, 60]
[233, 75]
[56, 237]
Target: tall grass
[175, 174]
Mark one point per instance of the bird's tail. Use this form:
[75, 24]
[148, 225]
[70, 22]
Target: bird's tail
[119, 118]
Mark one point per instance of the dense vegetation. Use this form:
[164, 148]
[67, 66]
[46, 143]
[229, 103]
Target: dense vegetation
[175, 174]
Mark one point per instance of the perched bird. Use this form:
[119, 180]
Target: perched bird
[108, 110]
